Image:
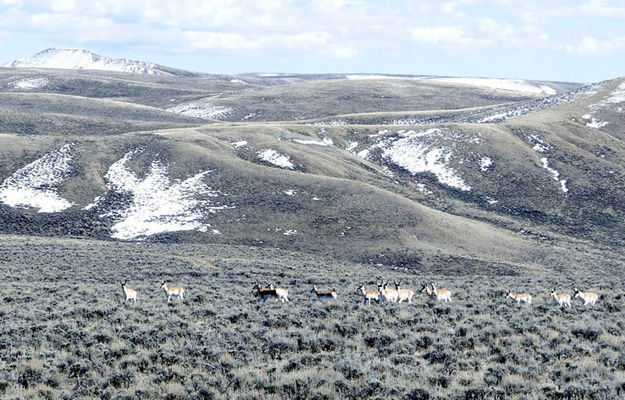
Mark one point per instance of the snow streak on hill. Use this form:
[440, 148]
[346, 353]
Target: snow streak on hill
[198, 110]
[430, 151]
[513, 85]
[28, 84]
[82, 59]
[156, 204]
[275, 158]
[36, 185]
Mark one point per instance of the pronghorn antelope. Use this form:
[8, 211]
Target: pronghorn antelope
[388, 295]
[438, 294]
[441, 294]
[277, 293]
[324, 295]
[368, 295]
[171, 291]
[404, 294]
[562, 299]
[425, 288]
[520, 297]
[589, 298]
[129, 294]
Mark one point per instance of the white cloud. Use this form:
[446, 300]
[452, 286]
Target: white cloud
[590, 45]
[449, 37]
[330, 28]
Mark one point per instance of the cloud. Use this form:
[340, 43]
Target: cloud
[448, 37]
[591, 45]
[339, 29]
[192, 25]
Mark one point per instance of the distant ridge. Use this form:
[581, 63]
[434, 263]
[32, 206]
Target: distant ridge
[82, 59]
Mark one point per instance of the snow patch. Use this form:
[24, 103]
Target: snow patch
[275, 158]
[239, 144]
[417, 156]
[157, 205]
[422, 151]
[540, 145]
[375, 76]
[315, 142]
[618, 95]
[595, 123]
[423, 189]
[332, 122]
[291, 232]
[237, 81]
[290, 192]
[554, 174]
[204, 111]
[351, 146]
[485, 163]
[29, 84]
[36, 185]
[363, 154]
[380, 133]
[513, 85]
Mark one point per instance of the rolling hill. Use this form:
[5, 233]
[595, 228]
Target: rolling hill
[396, 170]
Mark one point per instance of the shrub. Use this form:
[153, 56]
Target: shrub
[417, 394]
[350, 369]
[30, 375]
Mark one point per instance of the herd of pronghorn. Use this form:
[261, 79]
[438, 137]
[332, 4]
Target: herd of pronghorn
[382, 294]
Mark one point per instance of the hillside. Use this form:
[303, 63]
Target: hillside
[390, 171]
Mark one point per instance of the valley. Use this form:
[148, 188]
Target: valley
[218, 182]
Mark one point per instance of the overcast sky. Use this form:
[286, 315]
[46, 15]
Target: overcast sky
[565, 40]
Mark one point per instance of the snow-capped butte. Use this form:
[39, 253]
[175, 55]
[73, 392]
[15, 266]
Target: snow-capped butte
[62, 58]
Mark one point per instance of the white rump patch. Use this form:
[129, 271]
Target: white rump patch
[36, 185]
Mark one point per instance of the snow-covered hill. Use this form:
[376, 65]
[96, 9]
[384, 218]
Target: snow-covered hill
[62, 58]
[512, 85]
